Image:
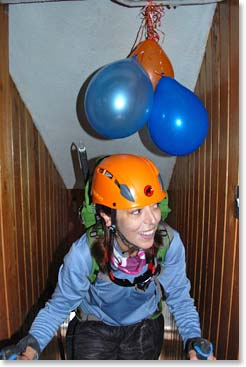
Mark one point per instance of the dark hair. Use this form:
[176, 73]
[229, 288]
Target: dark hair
[104, 243]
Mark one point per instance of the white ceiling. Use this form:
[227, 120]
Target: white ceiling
[56, 46]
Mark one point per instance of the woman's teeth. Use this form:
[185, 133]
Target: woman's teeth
[147, 233]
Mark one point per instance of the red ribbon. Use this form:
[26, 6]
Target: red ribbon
[152, 15]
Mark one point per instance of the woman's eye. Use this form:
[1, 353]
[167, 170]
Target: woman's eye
[136, 212]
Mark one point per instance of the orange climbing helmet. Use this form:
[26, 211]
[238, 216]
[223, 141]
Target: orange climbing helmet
[126, 181]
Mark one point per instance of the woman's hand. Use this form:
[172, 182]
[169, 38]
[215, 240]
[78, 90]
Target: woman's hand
[28, 354]
[193, 356]
[26, 348]
[199, 349]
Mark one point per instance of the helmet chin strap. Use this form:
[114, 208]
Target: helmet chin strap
[129, 244]
[114, 230]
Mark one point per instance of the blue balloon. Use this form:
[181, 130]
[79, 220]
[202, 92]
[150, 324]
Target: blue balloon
[178, 123]
[119, 99]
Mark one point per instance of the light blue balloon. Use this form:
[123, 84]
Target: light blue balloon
[178, 123]
[119, 99]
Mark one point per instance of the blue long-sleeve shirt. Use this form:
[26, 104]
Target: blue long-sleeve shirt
[114, 304]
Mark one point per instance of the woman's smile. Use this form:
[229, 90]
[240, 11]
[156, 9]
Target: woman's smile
[148, 235]
[139, 225]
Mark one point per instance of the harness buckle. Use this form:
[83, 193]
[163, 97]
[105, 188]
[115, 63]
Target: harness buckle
[144, 285]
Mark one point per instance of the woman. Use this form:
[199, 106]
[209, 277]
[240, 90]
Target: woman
[118, 315]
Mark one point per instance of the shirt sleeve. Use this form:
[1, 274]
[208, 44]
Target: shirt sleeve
[176, 287]
[71, 288]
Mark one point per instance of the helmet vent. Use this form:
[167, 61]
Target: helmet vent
[108, 174]
[124, 190]
[105, 173]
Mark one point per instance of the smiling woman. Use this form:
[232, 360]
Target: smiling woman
[203, 184]
[136, 258]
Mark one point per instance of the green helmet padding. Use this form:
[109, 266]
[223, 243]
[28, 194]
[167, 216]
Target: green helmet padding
[165, 210]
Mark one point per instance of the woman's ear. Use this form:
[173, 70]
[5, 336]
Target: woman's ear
[107, 218]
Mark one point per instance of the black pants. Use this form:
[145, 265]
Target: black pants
[96, 340]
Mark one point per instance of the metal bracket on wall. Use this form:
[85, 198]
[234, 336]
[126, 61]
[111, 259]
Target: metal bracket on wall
[237, 202]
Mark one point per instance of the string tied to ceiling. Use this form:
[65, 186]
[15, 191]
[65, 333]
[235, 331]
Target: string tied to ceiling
[151, 19]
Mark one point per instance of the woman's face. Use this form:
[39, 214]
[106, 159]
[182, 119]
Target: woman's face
[139, 225]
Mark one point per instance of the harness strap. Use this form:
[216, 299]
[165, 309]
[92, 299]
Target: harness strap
[92, 233]
[83, 317]
[167, 236]
[158, 312]
[152, 272]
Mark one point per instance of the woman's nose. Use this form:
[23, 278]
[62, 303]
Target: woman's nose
[150, 216]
